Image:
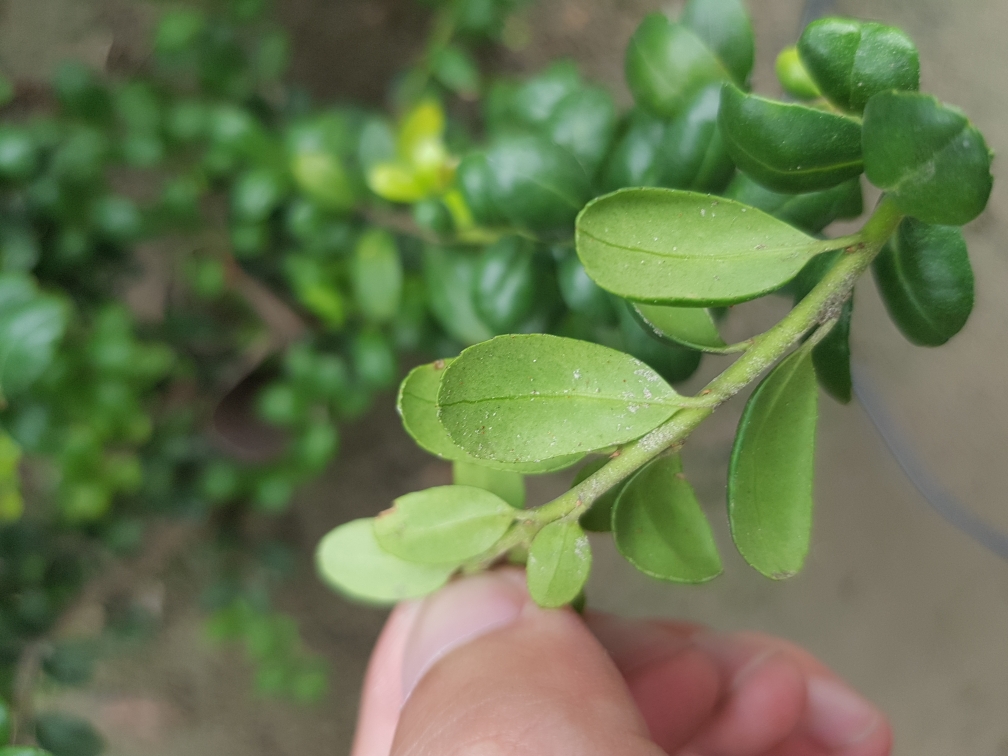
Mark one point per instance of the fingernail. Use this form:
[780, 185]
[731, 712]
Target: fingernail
[457, 614]
[753, 668]
[837, 716]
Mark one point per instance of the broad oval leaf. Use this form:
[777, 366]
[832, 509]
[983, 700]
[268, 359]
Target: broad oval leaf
[725, 27]
[377, 275]
[690, 326]
[31, 325]
[930, 160]
[67, 735]
[539, 97]
[693, 153]
[528, 398]
[506, 484]
[350, 560]
[666, 64]
[535, 183]
[558, 564]
[475, 181]
[831, 357]
[926, 281]
[635, 159]
[771, 469]
[852, 61]
[672, 361]
[666, 246]
[789, 147]
[417, 405]
[811, 212]
[443, 525]
[505, 285]
[451, 277]
[659, 527]
[598, 518]
[794, 78]
[584, 122]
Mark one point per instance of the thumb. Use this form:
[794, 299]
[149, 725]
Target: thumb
[485, 671]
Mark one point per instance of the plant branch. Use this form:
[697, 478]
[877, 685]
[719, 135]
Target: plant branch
[821, 306]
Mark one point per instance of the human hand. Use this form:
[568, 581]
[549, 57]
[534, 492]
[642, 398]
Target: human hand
[483, 671]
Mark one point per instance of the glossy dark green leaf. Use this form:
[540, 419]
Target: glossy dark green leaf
[581, 294]
[256, 194]
[771, 469]
[418, 409]
[536, 99]
[635, 157]
[506, 484]
[725, 26]
[666, 246]
[584, 122]
[659, 527]
[319, 152]
[67, 735]
[476, 183]
[527, 398]
[794, 78]
[810, 275]
[22, 750]
[450, 276]
[535, 183]
[558, 564]
[810, 212]
[926, 281]
[31, 325]
[690, 326]
[5, 723]
[831, 357]
[667, 64]
[598, 518]
[350, 560]
[789, 147]
[851, 61]
[377, 275]
[672, 361]
[457, 71]
[927, 157]
[443, 525]
[70, 662]
[505, 285]
[693, 154]
[18, 153]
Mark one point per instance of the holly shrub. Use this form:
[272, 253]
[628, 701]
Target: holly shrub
[556, 263]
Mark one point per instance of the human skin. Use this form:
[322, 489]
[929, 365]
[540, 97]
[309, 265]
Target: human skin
[479, 670]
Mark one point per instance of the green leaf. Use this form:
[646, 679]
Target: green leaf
[794, 77]
[31, 325]
[538, 98]
[536, 184]
[476, 182]
[450, 276]
[5, 724]
[558, 564]
[508, 485]
[789, 147]
[67, 735]
[528, 398]
[831, 357]
[690, 326]
[581, 294]
[377, 275]
[693, 154]
[635, 158]
[598, 518]
[672, 247]
[443, 525]
[457, 71]
[350, 560]
[418, 409]
[505, 284]
[667, 64]
[771, 469]
[672, 361]
[659, 527]
[811, 212]
[584, 122]
[926, 281]
[852, 61]
[930, 160]
[20, 750]
[725, 26]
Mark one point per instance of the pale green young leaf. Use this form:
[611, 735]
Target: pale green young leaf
[666, 246]
[350, 560]
[659, 527]
[527, 398]
[443, 525]
[771, 469]
[559, 561]
[417, 405]
[689, 326]
[510, 486]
